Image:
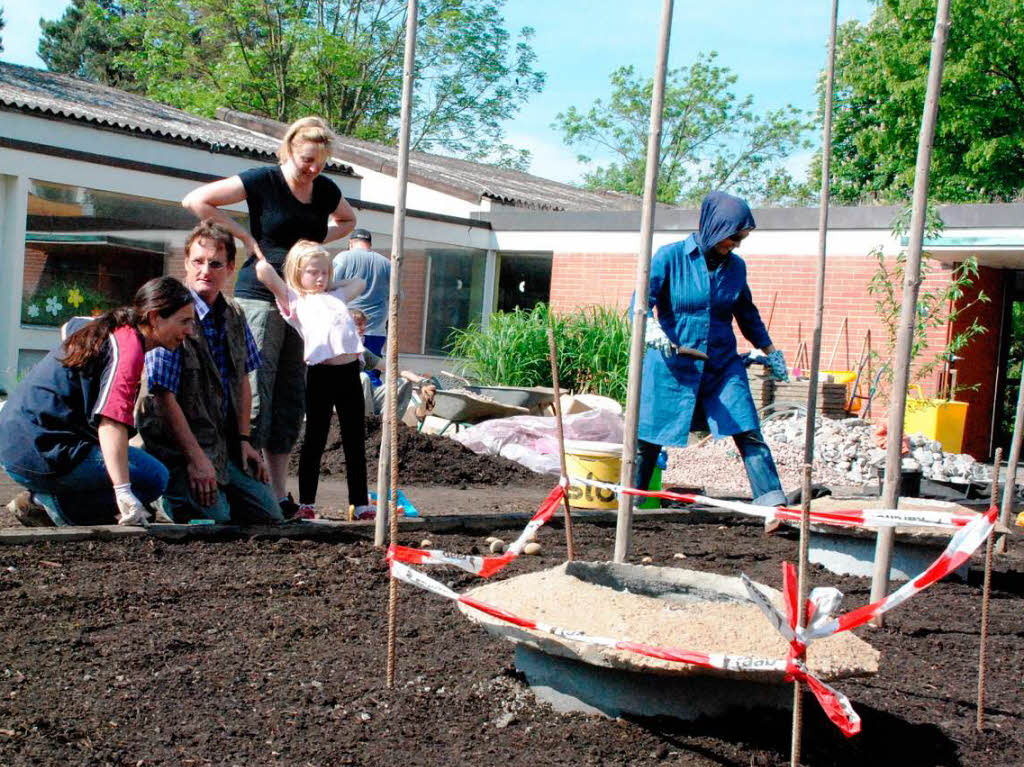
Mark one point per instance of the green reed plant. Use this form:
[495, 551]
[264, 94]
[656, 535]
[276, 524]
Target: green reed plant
[593, 350]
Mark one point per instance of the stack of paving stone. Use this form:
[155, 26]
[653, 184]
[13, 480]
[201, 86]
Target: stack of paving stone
[831, 401]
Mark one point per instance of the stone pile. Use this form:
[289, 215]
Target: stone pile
[849, 447]
[845, 453]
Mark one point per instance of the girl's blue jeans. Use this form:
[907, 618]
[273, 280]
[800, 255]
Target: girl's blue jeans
[85, 495]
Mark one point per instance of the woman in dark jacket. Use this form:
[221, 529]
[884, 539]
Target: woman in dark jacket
[64, 431]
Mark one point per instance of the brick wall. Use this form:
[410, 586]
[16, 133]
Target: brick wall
[579, 280]
[174, 265]
[35, 263]
[585, 279]
[414, 292]
[791, 283]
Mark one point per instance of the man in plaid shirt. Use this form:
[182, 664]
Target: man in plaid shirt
[195, 414]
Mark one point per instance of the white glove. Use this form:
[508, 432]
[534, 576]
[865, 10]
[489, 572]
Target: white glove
[655, 337]
[132, 512]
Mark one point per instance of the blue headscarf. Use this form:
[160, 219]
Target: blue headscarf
[721, 214]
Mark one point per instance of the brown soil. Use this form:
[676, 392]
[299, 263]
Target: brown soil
[424, 459]
[240, 651]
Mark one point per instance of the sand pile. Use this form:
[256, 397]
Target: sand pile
[736, 628]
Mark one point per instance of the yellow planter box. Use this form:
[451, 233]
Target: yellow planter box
[937, 419]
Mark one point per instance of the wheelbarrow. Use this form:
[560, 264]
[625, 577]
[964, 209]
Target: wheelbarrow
[467, 407]
[533, 398]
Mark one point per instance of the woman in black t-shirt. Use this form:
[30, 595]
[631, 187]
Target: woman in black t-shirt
[287, 203]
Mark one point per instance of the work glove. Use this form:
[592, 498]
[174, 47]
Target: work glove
[777, 364]
[655, 337]
[131, 511]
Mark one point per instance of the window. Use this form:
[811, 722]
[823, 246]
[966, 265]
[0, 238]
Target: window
[524, 280]
[88, 250]
[455, 291]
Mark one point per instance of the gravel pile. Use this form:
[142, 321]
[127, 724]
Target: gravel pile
[845, 453]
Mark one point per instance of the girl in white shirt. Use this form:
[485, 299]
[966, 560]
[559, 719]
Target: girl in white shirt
[332, 350]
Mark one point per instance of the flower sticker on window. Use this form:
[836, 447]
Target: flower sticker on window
[33, 310]
[75, 297]
[53, 306]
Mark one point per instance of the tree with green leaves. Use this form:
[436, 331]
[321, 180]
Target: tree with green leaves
[341, 59]
[711, 138]
[87, 41]
[881, 76]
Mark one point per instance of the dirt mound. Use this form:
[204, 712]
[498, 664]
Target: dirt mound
[423, 459]
[272, 652]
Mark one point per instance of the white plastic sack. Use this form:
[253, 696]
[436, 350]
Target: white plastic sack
[532, 440]
[598, 402]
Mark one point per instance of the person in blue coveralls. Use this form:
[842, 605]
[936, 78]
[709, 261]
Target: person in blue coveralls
[692, 371]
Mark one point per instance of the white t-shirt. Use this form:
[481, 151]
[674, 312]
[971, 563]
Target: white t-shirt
[325, 325]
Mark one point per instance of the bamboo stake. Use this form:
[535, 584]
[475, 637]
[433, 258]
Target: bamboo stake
[570, 551]
[624, 523]
[812, 388]
[911, 285]
[986, 594]
[1010, 489]
[397, 252]
[801, 615]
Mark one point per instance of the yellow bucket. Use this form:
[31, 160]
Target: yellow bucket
[592, 460]
[937, 419]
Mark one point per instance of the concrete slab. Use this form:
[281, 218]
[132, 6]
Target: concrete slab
[855, 555]
[658, 606]
[573, 686]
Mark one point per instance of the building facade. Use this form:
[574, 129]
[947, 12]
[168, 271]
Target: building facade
[91, 181]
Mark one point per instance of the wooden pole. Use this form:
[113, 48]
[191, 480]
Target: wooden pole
[911, 285]
[383, 474]
[835, 347]
[1010, 489]
[624, 524]
[986, 594]
[771, 312]
[823, 203]
[796, 745]
[861, 362]
[553, 350]
[397, 252]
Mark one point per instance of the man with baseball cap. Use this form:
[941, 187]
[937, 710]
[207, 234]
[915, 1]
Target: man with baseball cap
[375, 270]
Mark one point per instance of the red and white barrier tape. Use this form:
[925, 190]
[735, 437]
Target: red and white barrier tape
[844, 517]
[485, 567]
[836, 705]
[959, 549]
[819, 609]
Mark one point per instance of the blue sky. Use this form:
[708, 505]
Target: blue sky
[776, 47]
